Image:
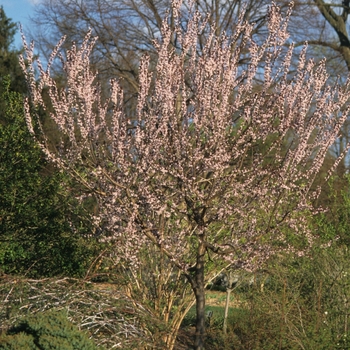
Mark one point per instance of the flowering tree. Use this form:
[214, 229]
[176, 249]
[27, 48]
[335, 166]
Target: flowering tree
[215, 170]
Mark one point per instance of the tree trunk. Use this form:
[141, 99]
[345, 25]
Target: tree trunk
[200, 298]
[231, 279]
[227, 304]
[175, 326]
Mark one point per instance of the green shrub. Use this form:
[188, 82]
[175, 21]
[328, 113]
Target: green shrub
[50, 330]
[39, 216]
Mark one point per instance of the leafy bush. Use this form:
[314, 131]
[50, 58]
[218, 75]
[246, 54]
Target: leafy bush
[303, 305]
[39, 218]
[46, 331]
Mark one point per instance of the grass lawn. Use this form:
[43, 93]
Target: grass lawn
[215, 302]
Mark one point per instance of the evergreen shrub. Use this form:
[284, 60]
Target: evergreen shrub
[50, 330]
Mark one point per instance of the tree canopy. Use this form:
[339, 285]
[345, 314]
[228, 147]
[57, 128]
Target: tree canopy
[9, 64]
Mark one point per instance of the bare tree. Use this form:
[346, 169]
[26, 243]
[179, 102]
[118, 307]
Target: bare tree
[212, 171]
[324, 25]
[335, 14]
[127, 28]
[308, 24]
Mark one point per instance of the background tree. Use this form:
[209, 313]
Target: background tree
[335, 16]
[127, 28]
[9, 63]
[187, 177]
[324, 24]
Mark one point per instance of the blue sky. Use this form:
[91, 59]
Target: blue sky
[19, 11]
